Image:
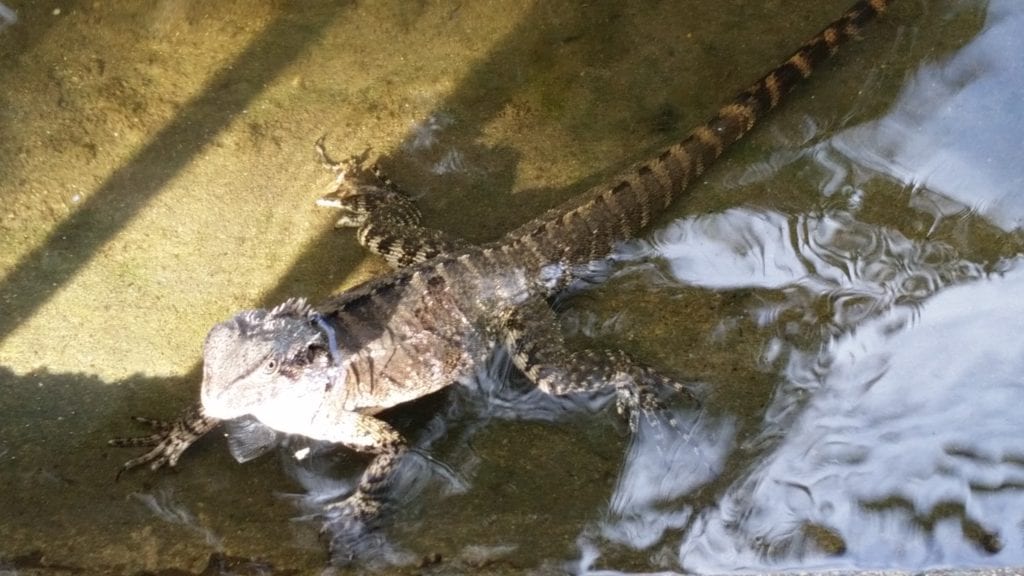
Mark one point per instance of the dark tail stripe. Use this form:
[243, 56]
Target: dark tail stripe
[589, 226]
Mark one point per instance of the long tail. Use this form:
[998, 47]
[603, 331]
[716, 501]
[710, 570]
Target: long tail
[589, 226]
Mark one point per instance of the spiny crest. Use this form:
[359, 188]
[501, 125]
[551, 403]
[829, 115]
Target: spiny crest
[293, 307]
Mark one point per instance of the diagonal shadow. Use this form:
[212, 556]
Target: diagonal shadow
[71, 245]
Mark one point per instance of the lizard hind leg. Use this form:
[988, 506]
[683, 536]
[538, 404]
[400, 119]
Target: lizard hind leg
[538, 349]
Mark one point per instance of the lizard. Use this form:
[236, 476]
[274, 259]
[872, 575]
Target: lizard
[326, 372]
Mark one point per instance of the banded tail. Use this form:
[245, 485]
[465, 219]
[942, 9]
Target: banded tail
[588, 227]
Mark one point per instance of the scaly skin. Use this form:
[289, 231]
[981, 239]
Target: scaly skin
[324, 373]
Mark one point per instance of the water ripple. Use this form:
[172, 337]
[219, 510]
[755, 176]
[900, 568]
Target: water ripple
[828, 263]
[661, 467]
[904, 456]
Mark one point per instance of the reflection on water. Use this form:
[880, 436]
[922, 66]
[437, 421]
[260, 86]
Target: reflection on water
[164, 506]
[662, 466]
[857, 269]
[905, 453]
[7, 17]
[953, 134]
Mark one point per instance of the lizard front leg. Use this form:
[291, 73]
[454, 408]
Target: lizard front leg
[352, 524]
[538, 349]
[169, 440]
[385, 216]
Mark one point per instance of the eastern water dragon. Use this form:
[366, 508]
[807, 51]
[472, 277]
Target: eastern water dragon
[325, 372]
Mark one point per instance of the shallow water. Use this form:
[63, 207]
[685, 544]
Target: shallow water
[841, 288]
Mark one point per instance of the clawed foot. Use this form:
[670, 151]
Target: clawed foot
[642, 395]
[340, 169]
[168, 442]
[351, 193]
[354, 533]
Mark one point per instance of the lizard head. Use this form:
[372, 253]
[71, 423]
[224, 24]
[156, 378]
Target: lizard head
[277, 365]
